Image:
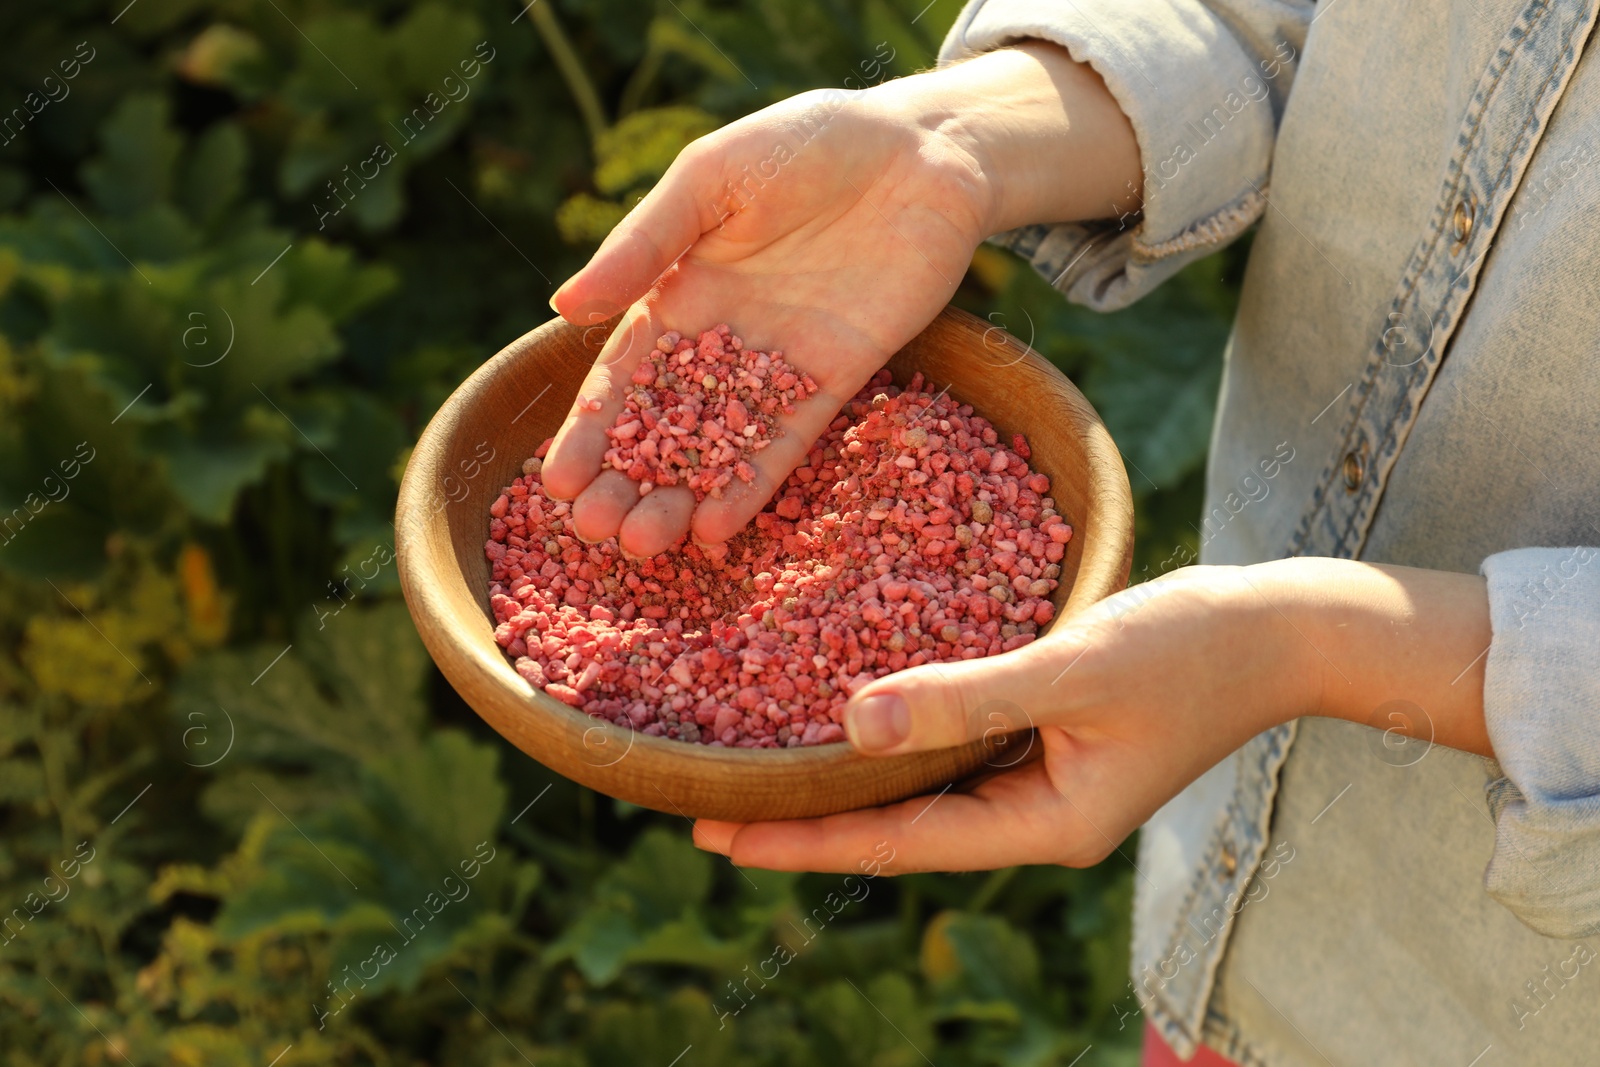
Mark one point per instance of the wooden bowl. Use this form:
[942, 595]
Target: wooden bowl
[475, 446]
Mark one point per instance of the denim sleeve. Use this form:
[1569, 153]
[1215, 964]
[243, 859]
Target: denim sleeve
[1203, 83]
[1541, 702]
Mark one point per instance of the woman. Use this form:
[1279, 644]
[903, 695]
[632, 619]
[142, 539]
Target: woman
[1412, 357]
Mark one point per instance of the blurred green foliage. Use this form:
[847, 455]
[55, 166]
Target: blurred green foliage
[225, 313]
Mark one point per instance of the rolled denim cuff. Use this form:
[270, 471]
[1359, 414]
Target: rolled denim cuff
[1541, 703]
[1203, 84]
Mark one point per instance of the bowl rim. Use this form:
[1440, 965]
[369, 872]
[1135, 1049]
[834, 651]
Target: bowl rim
[421, 580]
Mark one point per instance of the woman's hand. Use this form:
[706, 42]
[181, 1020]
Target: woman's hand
[1136, 698]
[833, 227]
[835, 249]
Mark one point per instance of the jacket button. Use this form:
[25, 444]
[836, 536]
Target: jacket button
[1354, 469]
[1230, 861]
[1462, 220]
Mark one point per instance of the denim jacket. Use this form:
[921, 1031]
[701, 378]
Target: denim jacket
[1414, 357]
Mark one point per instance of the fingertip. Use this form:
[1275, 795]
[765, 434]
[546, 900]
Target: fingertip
[571, 464]
[705, 531]
[601, 509]
[560, 490]
[630, 260]
[589, 523]
[658, 521]
[714, 835]
[584, 299]
[717, 519]
[563, 489]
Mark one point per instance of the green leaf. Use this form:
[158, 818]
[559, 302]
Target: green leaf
[213, 174]
[229, 57]
[341, 55]
[878, 1023]
[1158, 400]
[447, 792]
[598, 942]
[399, 873]
[139, 155]
[643, 145]
[382, 200]
[986, 971]
[277, 338]
[316, 150]
[647, 909]
[980, 956]
[347, 689]
[329, 278]
[663, 876]
[1156, 372]
[622, 1034]
[586, 219]
[429, 43]
[21, 779]
[208, 475]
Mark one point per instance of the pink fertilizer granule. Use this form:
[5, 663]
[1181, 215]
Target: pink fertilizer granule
[909, 535]
[699, 409]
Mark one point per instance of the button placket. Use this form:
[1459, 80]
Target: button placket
[1498, 134]
[1510, 109]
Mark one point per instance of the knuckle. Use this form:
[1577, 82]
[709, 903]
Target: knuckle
[1079, 846]
[1082, 854]
[953, 700]
[968, 711]
[700, 160]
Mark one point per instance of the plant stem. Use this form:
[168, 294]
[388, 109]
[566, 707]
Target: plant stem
[639, 81]
[991, 888]
[582, 88]
[910, 911]
[52, 768]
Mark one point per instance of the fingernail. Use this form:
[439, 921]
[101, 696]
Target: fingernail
[879, 723]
